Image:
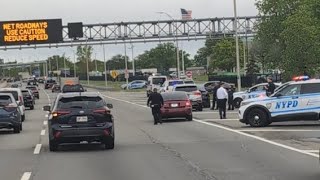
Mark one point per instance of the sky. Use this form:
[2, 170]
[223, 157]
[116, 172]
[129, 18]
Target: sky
[108, 11]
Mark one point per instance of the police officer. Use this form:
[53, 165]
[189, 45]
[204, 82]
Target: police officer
[222, 97]
[155, 101]
[214, 96]
[270, 87]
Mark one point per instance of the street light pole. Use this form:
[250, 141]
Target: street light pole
[74, 64]
[177, 44]
[126, 62]
[64, 64]
[133, 67]
[105, 65]
[237, 44]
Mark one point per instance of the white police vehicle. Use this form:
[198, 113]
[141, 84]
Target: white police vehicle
[253, 92]
[298, 100]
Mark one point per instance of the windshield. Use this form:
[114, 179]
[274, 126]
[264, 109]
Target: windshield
[14, 94]
[25, 93]
[5, 100]
[187, 88]
[80, 102]
[157, 81]
[72, 88]
[173, 83]
[174, 96]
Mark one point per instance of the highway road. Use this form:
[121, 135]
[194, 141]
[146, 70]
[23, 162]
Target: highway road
[205, 148]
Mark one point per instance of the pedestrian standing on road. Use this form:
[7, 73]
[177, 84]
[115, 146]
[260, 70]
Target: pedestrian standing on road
[214, 95]
[155, 101]
[270, 87]
[222, 97]
[230, 98]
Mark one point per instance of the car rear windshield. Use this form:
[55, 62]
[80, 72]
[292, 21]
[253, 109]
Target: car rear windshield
[187, 88]
[172, 83]
[5, 100]
[80, 102]
[158, 81]
[174, 96]
[31, 87]
[14, 94]
[73, 88]
[25, 93]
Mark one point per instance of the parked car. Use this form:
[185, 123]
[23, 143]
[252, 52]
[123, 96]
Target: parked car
[10, 116]
[193, 93]
[137, 84]
[28, 98]
[205, 96]
[77, 117]
[56, 88]
[17, 94]
[176, 105]
[34, 90]
[169, 84]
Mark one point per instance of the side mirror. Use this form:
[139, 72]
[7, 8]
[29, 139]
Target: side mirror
[47, 108]
[110, 106]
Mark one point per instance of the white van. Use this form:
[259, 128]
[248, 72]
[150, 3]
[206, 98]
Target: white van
[17, 94]
[155, 82]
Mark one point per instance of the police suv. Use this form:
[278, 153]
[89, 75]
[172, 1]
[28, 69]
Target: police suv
[298, 100]
[253, 92]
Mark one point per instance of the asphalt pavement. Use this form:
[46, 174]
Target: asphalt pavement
[206, 148]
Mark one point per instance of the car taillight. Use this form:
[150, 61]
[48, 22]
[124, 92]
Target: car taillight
[198, 93]
[60, 113]
[102, 111]
[188, 103]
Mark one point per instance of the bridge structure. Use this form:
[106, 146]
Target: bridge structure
[152, 31]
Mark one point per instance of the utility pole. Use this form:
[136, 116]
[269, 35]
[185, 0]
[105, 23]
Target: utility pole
[133, 66]
[105, 66]
[237, 44]
[126, 63]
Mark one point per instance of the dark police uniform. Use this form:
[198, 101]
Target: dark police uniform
[155, 101]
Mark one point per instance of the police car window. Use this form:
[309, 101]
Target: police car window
[310, 88]
[291, 90]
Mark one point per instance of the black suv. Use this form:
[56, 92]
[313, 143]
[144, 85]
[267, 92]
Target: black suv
[28, 98]
[78, 117]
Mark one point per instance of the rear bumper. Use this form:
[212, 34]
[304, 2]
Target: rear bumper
[75, 135]
[196, 104]
[9, 122]
[178, 112]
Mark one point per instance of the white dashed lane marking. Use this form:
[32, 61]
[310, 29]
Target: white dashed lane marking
[45, 122]
[43, 132]
[26, 176]
[37, 149]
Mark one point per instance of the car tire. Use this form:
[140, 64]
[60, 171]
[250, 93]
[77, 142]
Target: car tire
[31, 107]
[257, 118]
[53, 145]
[200, 108]
[189, 117]
[23, 117]
[237, 102]
[109, 144]
[16, 129]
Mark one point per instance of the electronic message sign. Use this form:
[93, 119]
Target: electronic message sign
[30, 32]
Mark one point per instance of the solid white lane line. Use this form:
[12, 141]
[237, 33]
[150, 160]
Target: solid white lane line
[37, 149]
[279, 130]
[206, 112]
[26, 176]
[219, 119]
[43, 132]
[258, 138]
[235, 131]
[47, 95]
[45, 123]
[311, 151]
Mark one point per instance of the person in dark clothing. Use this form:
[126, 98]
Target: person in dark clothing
[270, 87]
[230, 98]
[214, 96]
[155, 101]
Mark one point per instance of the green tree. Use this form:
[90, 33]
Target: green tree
[118, 62]
[83, 55]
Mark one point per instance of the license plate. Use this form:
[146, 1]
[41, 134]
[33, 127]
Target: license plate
[82, 119]
[174, 105]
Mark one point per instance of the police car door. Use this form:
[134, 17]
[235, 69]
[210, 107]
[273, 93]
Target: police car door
[256, 91]
[310, 97]
[287, 102]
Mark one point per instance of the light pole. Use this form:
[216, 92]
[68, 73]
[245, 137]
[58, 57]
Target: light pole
[105, 65]
[237, 44]
[176, 39]
[133, 67]
[64, 64]
[126, 62]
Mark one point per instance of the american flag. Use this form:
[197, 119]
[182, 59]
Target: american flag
[186, 14]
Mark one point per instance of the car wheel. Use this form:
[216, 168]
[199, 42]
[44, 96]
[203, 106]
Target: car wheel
[23, 117]
[16, 129]
[200, 108]
[189, 117]
[109, 144]
[31, 107]
[237, 102]
[257, 118]
[53, 146]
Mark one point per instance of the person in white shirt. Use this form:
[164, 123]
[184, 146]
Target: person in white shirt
[222, 97]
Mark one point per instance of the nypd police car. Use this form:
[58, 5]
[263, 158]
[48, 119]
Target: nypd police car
[298, 100]
[253, 92]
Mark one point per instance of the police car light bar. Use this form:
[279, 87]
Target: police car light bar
[300, 78]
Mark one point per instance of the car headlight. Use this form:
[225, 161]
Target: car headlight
[244, 103]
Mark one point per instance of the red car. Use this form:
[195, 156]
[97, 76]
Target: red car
[176, 105]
